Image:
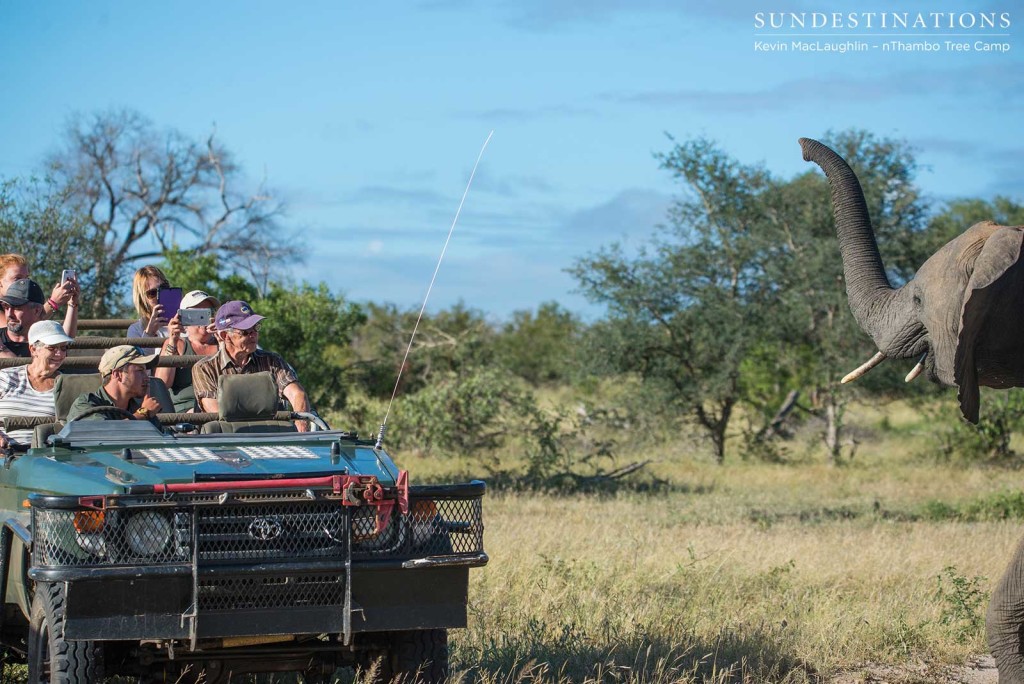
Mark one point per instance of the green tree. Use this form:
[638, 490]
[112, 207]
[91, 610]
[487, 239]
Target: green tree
[455, 340]
[540, 348]
[742, 298]
[684, 313]
[38, 221]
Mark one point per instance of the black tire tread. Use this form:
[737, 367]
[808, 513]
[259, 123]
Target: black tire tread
[71, 662]
[419, 655]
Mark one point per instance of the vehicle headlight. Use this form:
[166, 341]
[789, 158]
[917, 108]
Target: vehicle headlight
[147, 533]
[89, 532]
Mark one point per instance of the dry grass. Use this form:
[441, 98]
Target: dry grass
[748, 572]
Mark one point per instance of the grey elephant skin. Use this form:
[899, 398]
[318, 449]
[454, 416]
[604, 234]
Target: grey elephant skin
[963, 308]
[963, 312]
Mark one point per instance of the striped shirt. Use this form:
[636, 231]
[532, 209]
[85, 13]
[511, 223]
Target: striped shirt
[18, 398]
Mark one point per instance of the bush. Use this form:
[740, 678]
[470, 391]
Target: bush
[987, 442]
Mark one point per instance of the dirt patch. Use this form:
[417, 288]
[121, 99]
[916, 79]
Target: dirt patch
[978, 670]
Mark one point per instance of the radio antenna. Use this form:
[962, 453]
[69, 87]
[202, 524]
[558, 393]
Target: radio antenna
[383, 425]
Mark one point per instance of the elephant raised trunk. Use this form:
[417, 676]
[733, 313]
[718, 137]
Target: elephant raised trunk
[872, 297]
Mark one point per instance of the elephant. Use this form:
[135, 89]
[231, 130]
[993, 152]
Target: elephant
[963, 315]
[960, 314]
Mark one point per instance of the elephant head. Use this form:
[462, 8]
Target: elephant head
[963, 312]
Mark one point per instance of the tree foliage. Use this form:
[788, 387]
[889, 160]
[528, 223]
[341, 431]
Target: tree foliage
[681, 312]
[742, 298]
[38, 221]
[540, 347]
[311, 327]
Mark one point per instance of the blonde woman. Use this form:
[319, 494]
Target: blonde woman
[146, 286]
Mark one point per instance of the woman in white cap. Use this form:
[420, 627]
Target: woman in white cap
[197, 340]
[28, 390]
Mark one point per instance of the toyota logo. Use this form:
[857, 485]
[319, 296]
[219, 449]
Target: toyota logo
[265, 529]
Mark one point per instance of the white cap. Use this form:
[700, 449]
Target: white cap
[49, 333]
[196, 297]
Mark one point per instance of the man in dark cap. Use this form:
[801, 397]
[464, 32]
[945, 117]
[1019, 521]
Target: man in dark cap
[23, 304]
[124, 373]
[238, 331]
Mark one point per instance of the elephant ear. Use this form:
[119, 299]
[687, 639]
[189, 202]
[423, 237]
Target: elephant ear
[982, 298]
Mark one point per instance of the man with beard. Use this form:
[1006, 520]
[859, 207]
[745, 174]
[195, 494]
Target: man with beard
[15, 267]
[238, 332]
[124, 373]
[23, 305]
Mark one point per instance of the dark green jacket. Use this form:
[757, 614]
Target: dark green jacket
[101, 398]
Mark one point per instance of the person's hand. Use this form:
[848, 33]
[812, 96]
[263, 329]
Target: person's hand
[302, 425]
[76, 296]
[175, 329]
[150, 403]
[156, 321]
[64, 292]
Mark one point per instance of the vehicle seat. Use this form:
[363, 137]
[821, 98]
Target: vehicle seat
[247, 403]
[70, 386]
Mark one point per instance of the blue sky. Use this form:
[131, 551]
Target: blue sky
[367, 117]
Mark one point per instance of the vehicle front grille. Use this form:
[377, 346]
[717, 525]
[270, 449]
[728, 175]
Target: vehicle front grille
[273, 591]
[293, 530]
[248, 530]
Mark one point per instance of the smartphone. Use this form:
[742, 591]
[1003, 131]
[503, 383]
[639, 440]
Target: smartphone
[170, 299]
[68, 274]
[196, 317]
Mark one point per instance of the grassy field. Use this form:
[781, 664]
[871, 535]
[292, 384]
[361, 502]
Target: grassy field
[756, 572]
[743, 572]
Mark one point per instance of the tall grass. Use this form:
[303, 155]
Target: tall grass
[749, 572]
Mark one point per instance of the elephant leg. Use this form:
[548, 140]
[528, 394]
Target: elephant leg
[1005, 621]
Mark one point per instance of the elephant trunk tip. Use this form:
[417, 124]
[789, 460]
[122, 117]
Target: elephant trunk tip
[806, 145]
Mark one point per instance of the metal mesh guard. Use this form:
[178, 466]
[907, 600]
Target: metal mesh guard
[274, 591]
[246, 531]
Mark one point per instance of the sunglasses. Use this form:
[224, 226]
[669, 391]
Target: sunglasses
[152, 293]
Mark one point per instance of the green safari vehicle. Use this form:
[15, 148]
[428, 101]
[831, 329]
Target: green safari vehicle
[193, 554]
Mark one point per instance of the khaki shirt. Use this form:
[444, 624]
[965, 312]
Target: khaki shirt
[206, 372]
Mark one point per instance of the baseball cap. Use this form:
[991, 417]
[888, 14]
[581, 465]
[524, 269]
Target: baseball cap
[49, 333]
[236, 314]
[122, 355]
[196, 297]
[22, 292]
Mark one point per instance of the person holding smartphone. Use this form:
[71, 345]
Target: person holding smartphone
[65, 293]
[146, 286]
[197, 339]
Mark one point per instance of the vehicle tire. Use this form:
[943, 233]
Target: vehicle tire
[52, 659]
[417, 656]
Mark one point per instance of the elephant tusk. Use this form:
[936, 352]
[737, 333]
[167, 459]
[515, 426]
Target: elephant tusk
[868, 365]
[916, 370]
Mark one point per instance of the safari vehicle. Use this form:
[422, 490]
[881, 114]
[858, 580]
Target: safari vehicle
[227, 545]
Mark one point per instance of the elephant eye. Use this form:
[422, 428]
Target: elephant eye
[917, 300]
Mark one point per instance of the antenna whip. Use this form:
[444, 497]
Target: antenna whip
[383, 425]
